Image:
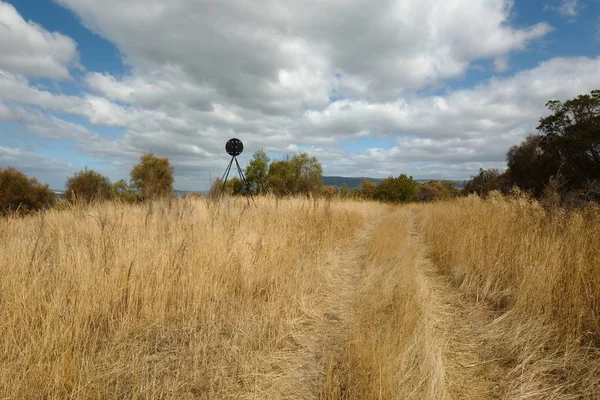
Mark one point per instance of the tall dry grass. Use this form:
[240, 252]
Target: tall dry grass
[299, 299]
[540, 270]
[181, 299]
[391, 350]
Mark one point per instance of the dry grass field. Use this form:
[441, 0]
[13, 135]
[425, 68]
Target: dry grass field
[301, 299]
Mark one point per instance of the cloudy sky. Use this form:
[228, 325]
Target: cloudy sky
[431, 88]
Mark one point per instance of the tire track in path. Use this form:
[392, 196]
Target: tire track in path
[472, 365]
[318, 338]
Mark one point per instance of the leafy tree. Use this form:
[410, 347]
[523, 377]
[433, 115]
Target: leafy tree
[567, 149]
[281, 178]
[299, 174]
[345, 190]
[451, 186]
[153, 177]
[307, 174]
[329, 192]
[486, 181]
[18, 192]
[433, 190]
[88, 185]
[529, 166]
[402, 189]
[368, 189]
[257, 173]
[234, 186]
[123, 191]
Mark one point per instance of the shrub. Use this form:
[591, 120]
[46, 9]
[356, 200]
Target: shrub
[402, 189]
[19, 193]
[153, 177]
[124, 192]
[87, 186]
[433, 190]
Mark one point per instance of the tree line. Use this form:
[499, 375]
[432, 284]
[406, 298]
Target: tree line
[562, 159]
[151, 178]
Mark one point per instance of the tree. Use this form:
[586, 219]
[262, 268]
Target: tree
[234, 186]
[153, 177]
[123, 191]
[402, 189]
[345, 190]
[368, 189]
[299, 174]
[433, 190]
[257, 173]
[280, 178]
[20, 193]
[567, 149]
[486, 181]
[329, 192]
[451, 186]
[88, 185]
[529, 166]
[307, 174]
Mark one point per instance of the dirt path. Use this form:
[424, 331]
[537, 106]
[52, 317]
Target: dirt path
[473, 364]
[299, 374]
[457, 331]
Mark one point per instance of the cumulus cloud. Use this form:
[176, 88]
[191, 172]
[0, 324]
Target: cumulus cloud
[27, 48]
[302, 76]
[34, 164]
[279, 57]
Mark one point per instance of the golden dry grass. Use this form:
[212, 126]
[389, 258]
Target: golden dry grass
[300, 299]
[165, 300]
[538, 272]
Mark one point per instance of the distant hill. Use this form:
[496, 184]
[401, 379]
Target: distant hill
[353, 182]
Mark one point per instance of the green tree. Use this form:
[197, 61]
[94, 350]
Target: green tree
[451, 186]
[153, 177]
[257, 173]
[234, 186]
[123, 191]
[345, 190]
[281, 181]
[20, 193]
[88, 185]
[402, 189]
[566, 150]
[299, 174]
[307, 174]
[486, 181]
[530, 167]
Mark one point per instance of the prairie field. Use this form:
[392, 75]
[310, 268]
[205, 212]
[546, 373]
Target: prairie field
[301, 299]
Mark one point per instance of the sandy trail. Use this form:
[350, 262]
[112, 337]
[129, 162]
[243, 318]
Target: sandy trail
[318, 339]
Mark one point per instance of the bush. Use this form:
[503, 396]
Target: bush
[153, 177]
[122, 191]
[402, 189]
[88, 186]
[329, 192]
[19, 193]
[432, 191]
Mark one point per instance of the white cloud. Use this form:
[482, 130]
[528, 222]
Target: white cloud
[279, 57]
[44, 168]
[27, 48]
[266, 72]
[569, 8]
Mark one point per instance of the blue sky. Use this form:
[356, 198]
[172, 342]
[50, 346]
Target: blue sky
[433, 88]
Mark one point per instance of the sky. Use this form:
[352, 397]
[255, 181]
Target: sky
[435, 89]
